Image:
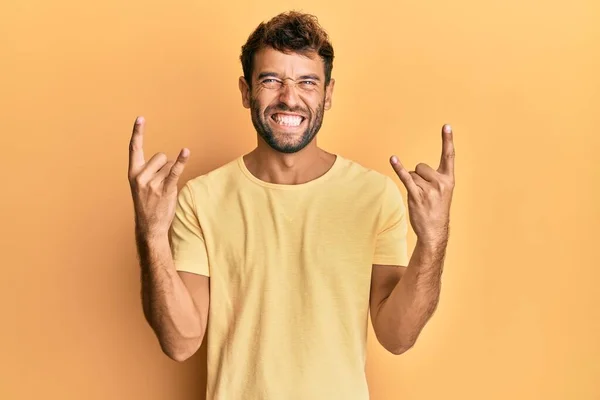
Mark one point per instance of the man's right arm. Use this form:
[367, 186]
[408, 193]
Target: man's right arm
[175, 303]
[175, 306]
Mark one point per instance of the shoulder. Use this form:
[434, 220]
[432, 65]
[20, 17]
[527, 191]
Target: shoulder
[364, 178]
[216, 181]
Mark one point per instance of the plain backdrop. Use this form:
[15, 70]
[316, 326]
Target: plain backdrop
[519, 315]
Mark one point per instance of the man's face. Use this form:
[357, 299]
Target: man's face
[287, 99]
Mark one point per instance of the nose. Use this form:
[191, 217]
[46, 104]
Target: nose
[288, 94]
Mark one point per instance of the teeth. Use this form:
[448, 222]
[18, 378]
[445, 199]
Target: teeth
[287, 120]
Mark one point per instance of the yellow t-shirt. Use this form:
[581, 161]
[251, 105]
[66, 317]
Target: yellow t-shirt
[290, 272]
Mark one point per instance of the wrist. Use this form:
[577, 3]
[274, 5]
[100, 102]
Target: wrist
[432, 245]
[151, 237]
[434, 238]
[429, 256]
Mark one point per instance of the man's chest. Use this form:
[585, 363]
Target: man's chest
[291, 238]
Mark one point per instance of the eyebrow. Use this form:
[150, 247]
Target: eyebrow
[276, 75]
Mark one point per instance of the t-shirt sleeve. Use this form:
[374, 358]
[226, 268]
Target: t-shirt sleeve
[391, 246]
[186, 237]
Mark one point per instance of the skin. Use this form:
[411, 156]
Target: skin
[403, 299]
[308, 161]
[176, 304]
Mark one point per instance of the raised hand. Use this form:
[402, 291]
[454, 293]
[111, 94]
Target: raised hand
[430, 192]
[153, 185]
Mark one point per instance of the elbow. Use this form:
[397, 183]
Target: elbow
[395, 345]
[179, 353]
[177, 356]
[179, 349]
[400, 349]
[176, 346]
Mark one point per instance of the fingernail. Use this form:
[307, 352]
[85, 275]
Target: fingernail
[447, 128]
[139, 120]
[394, 160]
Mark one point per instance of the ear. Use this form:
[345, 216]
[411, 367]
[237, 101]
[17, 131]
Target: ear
[329, 94]
[245, 91]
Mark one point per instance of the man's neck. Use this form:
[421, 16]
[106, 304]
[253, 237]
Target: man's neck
[304, 166]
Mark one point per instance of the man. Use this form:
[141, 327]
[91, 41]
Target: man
[283, 251]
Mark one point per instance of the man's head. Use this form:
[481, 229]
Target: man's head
[287, 83]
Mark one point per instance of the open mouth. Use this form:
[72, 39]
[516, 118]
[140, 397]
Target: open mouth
[287, 120]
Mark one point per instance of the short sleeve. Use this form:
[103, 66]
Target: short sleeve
[391, 246]
[186, 237]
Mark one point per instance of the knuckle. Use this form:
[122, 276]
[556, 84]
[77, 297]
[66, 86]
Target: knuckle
[162, 157]
[139, 180]
[447, 183]
[175, 172]
[155, 185]
[133, 144]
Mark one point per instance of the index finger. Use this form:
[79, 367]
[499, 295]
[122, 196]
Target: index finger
[411, 187]
[177, 169]
[136, 151]
[447, 161]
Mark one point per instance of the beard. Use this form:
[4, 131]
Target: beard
[281, 142]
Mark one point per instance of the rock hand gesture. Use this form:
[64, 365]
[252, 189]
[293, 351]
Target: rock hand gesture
[430, 193]
[153, 185]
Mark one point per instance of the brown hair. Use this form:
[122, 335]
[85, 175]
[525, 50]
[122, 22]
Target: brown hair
[289, 32]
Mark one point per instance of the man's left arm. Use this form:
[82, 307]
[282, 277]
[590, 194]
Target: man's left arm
[404, 298]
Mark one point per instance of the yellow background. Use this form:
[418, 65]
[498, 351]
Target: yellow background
[519, 316]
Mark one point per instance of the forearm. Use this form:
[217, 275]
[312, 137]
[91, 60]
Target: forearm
[168, 305]
[402, 315]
